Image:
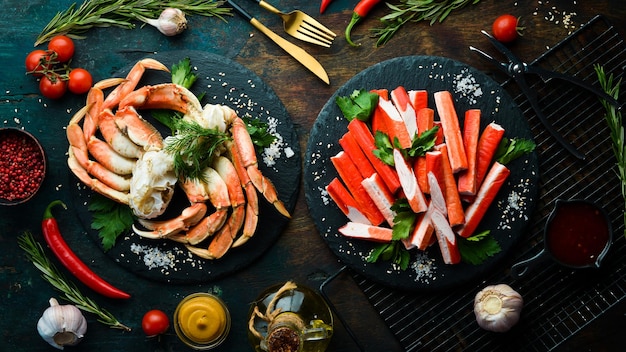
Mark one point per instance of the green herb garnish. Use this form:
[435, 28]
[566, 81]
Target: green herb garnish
[415, 11]
[403, 224]
[478, 248]
[76, 21]
[613, 118]
[511, 149]
[35, 253]
[110, 219]
[360, 104]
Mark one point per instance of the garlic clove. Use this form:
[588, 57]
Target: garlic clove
[498, 307]
[62, 325]
[171, 22]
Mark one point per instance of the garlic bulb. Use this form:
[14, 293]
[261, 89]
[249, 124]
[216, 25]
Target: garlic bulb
[171, 22]
[497, 307]
[62, 325]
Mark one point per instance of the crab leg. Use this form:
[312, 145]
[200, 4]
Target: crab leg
[94, 184]
[243, 141]
[132, 79]
[252, 204]
[161, 229]
[137, 129]
[115, 138]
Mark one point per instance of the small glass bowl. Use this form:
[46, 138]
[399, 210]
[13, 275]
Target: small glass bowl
[9, 162]
[180, 330]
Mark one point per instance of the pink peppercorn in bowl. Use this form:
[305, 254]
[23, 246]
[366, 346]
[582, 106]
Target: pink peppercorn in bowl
[22, 166]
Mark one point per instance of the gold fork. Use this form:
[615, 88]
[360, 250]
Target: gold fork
[302, 26]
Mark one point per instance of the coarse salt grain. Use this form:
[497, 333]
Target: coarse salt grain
[424, 268]
[153, 257]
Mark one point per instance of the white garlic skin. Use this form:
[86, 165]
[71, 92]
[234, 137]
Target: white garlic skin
[62, 325]
[171, 22]
[498, 307]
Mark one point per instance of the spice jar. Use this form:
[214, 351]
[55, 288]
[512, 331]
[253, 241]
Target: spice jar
[290, 318]
[202, 321]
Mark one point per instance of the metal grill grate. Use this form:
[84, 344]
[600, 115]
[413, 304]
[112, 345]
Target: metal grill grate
[558, 302]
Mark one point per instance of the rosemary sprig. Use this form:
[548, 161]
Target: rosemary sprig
[52, 275]
[613, 118]
[415, 11]
[75, 21]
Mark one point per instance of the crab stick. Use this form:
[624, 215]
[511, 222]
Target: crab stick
[486, 149]
[486, 194]
[365, 139]
[471, 133]
[434, 164]
[377, 121]
[446, 238]
[451, 130]
[425, 119]
[390, 117]
[352, 179]
[418, 98]
[375, 187]
[410, 187]
[419, 168]
[422, 235]
[456, 215]
[439, 137]
[344, 200]
[351, 147]
[401, 100]
[366, 232]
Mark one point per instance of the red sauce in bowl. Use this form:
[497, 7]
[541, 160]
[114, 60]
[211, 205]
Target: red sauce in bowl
[577, 233]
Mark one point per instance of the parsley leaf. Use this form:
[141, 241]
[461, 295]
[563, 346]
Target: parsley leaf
[424, 142]
[384, 148]
[258, 131]
[110, 219]
[360, 104]
[511, 149]
[182, 75]
[393, 251]
[478, 248]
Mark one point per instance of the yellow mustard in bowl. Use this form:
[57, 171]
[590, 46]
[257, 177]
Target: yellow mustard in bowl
[202, 321]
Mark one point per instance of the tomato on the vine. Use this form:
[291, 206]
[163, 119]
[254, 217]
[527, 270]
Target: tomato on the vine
[52, 86]
[506, 28]
[63, 46]
[155, 322]
[37, 60]
[80, 81]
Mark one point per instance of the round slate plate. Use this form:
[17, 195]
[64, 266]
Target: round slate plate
[228, 83]
[507, 216]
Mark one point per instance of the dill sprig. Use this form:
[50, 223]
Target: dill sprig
[613, 118]
[76, 21]
[35, 253]
[416, 11]
[194, 148]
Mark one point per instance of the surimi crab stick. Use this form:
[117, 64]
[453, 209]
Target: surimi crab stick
[351, 147]
[346, 203]
[422, 235]
[487, 147]
[456, 215]
[425, 119]
[366, 141]
[486, 194]
[419, 99]
[401, 100]
[471, 133]
[352, 178]
[388, 115]
[437, 212]
[451, 130]
[375, 187]
[434, 164]
[367, 232]
[411, 189]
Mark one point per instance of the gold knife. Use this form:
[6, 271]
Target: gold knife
[298, 53]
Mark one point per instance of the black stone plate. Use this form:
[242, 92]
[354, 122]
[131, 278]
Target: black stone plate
[224, 82]
[471, 89]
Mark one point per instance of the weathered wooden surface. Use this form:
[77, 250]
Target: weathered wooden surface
[300, 254]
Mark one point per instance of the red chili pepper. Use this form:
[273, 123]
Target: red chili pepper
[324, 5]
[70, 260]
[360, 11]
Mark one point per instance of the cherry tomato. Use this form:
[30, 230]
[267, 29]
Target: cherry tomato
[505, 28]
[52, 86]
[34, 61]
[63, 46]
[155, 322]
[80, 81]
